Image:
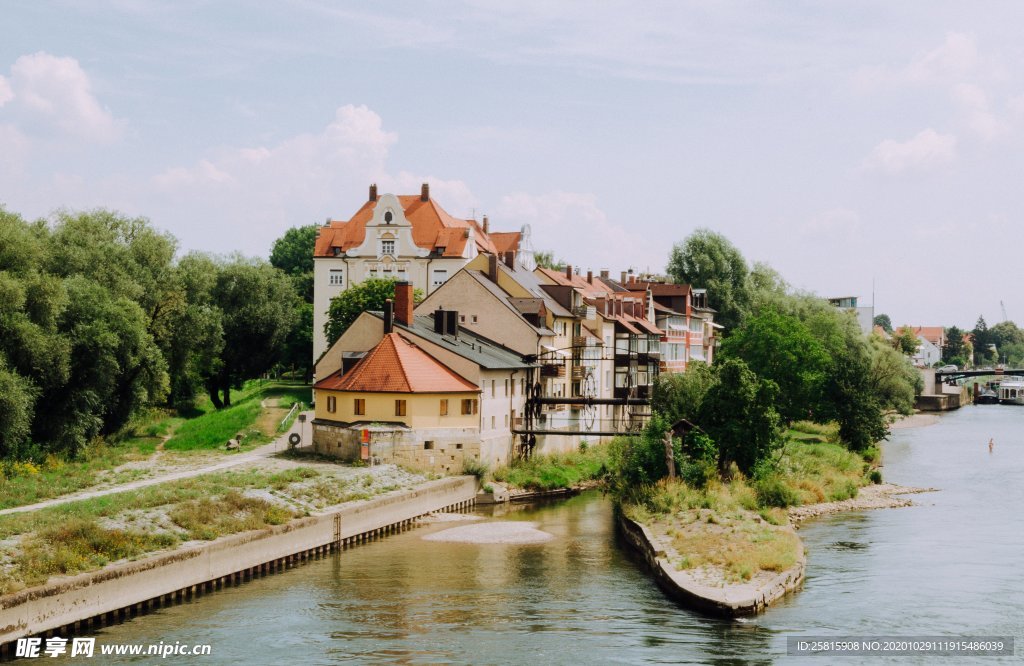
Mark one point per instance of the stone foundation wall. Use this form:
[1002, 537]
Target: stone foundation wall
[440, 450]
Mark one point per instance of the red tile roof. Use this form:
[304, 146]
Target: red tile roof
[396, 365]
[506, 241]
[432, 228]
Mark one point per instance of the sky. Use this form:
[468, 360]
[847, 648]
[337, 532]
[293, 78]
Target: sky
[856, 147]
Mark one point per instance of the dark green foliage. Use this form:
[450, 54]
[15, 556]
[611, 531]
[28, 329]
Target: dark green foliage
[639, 461]
[883, 321]
[349, 304]
[678, 395]
[954, 351]
[547, 259]
[904, 341]
[854, 404]
[983, 342]
[781, 348]
[707, 259]
[738, 413]
[699, 446]
[293, 254]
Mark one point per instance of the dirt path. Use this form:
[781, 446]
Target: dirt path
[233, 460]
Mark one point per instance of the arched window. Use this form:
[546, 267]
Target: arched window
[388, 216]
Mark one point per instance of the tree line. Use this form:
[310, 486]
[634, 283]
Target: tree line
[786, 356]
[100, 318]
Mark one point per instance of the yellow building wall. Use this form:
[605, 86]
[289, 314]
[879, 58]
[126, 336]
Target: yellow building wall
[422, 410]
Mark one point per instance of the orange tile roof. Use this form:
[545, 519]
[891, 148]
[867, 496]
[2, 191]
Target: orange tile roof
[396, 365]
[432, 228]
[577, 282]
[506, 241]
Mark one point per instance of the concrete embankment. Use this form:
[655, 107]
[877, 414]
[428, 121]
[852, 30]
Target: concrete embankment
[77, 604]
[731, 600]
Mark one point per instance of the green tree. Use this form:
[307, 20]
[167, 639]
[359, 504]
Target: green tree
[982, 340]
[293, 254]
[679, 395]
[1006, 336]
[17, 408]
[349, 304]
[905, 341]
[739, 414]
[853, 400]
[707, 259]
[883, 321]
[257, 305]
[781, 348]
[955, 350]
[546, 259]
[892, 377]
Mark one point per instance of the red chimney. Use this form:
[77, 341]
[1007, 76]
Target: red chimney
[492, 268]
[568, 272]
[403, 303]
[425, 192]
[373, 192]
[590, 277]
[510, 260]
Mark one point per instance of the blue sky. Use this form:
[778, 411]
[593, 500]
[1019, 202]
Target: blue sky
[841, 142]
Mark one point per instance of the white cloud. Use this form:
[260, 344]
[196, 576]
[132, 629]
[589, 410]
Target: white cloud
[573, 226]
[928, 149]
[6, 94]
[58, 90]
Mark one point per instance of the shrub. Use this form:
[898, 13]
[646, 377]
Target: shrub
[697, 473]
[772, 490]
[875, 476]
[475, 467]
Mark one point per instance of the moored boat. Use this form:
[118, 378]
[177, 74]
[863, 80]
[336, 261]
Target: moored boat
[1011, 391]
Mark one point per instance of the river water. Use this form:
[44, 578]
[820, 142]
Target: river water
[949, 566]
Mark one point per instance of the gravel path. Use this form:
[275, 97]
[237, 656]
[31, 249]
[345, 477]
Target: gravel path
[233, 460]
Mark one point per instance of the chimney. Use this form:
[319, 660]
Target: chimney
[487, 225]
[568, 272]
[590, 277]
[492, 268]
[389, 316]
[622, 278]
[439, 321]
[451, 324]
[604, 273]
[425, 192]
[373, 192]
[403, 303]
[510, 260]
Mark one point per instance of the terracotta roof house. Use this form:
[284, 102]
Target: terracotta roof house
[407, 237]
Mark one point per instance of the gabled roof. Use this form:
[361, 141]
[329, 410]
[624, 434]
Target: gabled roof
[506, 241]
[396, 365]
[432, 229]
[468, 345]
[595, 288]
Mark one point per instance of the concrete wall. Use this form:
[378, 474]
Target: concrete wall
[164, 578]
[449, 447]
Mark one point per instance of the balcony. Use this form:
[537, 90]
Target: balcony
[579, 373]
[579, 341]
[552, 370]
[585, 311]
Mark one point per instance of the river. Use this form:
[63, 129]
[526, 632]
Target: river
[949, 566]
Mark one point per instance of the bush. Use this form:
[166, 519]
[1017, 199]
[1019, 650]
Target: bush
[875, 476]
[697, 474]
[475, 467]
[772, 490]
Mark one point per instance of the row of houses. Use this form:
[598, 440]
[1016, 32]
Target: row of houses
[500, 358]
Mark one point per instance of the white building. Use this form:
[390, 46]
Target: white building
[404, 237]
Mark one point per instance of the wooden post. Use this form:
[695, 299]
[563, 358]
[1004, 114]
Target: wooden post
[670, 458]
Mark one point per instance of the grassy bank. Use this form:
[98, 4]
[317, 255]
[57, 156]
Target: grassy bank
[86, 535]
[201, 428]
[561, 470]
[734, 531]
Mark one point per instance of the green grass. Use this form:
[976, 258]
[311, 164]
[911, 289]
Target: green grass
[562, 470]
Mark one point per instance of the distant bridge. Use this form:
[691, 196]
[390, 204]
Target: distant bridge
[951, 376]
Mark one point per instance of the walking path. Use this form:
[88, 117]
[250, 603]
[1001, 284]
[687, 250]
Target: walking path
[277, 446]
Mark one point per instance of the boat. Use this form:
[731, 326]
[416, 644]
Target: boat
[986, 396]
[1011, 391]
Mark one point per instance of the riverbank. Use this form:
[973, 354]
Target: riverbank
[881, 496]
[128, 588]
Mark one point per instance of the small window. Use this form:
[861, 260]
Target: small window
[459, 446]
[444, 408]
[469, 406]
[492, 423]
[332, 404]
[388, 217]
[360, 406]
[506, 420]
[506, 387]
[337, 278]
[428, 446]
[474, 319]
[462, 319]
[399, 407]
[387, 247]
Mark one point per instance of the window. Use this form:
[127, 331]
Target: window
[388, 217]
[506, 387]
[387, 247]
[506, 420]
[474, 319]
[336, 278]
[458, 446]
[493, 384]
[492, 423]
[332, 404]
[462, 319]
[440, 276]
[469, 406]
[360, 407]
[427, 446]
[444, 408]
[399, 407]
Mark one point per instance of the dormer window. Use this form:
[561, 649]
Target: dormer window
[388, 216]
[387, 247]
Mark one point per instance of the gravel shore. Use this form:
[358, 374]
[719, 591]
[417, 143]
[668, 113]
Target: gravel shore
[881, 496]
